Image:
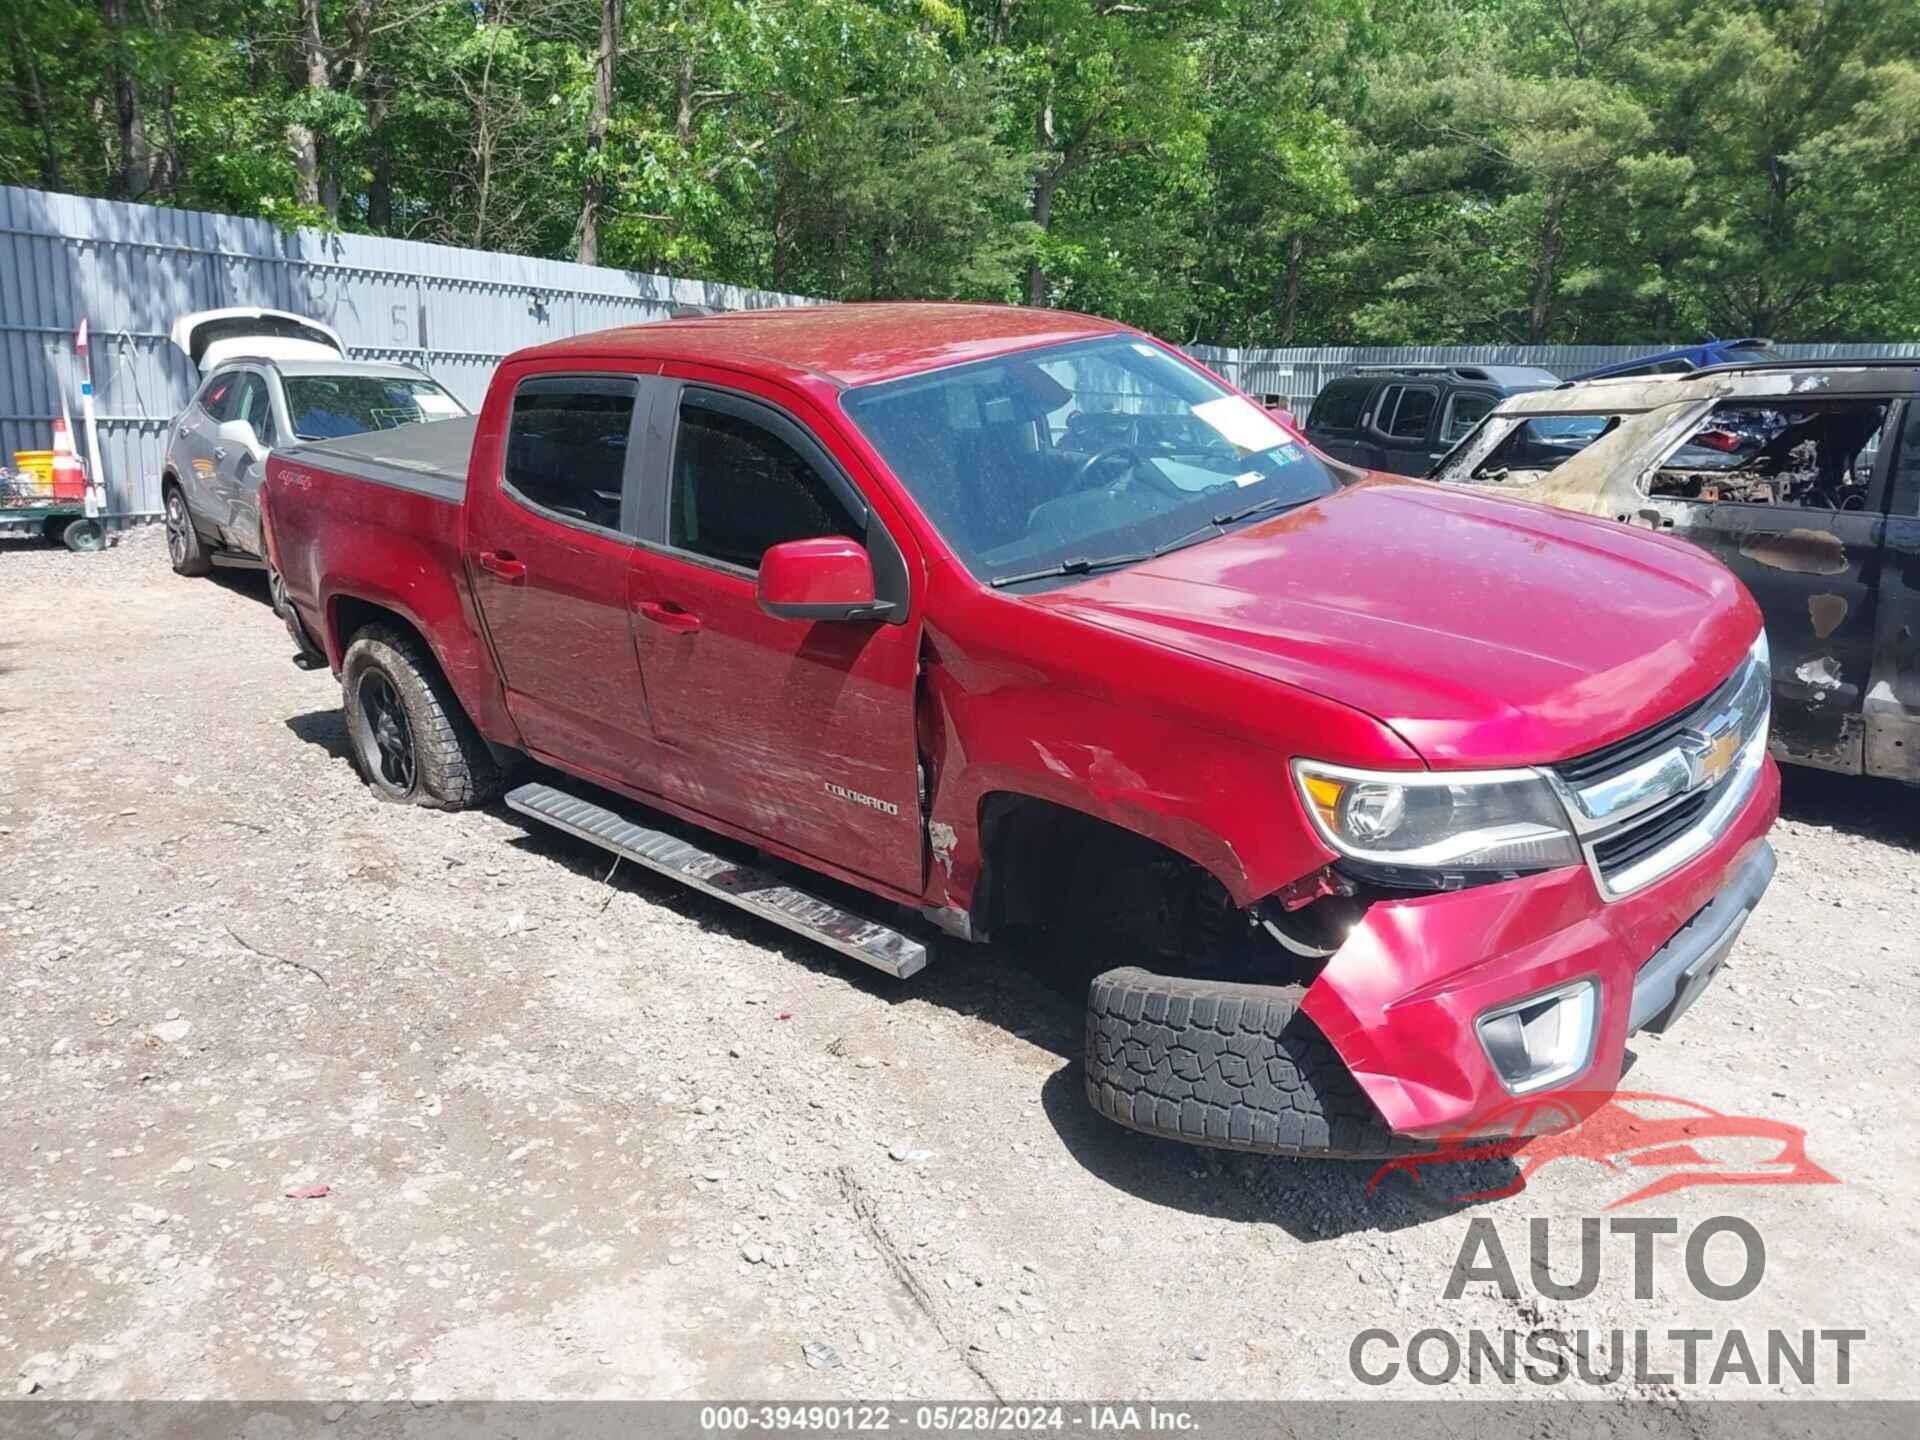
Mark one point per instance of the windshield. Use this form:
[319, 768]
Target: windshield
[324, 407]
[1544, 442]
[1076, 457]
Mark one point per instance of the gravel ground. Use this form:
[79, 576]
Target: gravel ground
[312, 1096]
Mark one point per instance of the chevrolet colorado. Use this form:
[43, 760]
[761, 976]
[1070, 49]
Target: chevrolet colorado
[875, 621]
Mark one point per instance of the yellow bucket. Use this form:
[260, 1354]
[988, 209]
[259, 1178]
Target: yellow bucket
[38, 464]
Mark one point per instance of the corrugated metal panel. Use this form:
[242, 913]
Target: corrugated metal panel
[132, 269]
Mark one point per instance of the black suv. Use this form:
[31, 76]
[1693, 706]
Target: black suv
[1405, 418]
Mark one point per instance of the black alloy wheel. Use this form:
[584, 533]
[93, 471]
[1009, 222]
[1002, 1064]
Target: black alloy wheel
[388, 738]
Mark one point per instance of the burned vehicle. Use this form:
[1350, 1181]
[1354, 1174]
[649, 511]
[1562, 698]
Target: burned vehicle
[1803, 478]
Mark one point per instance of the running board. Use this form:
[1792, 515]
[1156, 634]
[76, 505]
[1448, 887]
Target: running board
[752, 890]
[232, 560]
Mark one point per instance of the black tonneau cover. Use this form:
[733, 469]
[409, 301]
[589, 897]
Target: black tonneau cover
[428, 456]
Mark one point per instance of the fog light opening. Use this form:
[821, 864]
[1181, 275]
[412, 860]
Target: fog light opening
[1543, 1039]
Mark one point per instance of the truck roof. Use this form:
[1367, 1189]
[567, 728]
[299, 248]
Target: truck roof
[847, 345]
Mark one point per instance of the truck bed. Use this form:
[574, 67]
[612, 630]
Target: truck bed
[378, 517]
[428, 457]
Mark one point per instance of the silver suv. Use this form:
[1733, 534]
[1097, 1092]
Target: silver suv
[272, 379]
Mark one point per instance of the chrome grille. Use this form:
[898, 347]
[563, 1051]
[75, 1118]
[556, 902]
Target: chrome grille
[1647, 804]
[1636, 842]
[1623, 755]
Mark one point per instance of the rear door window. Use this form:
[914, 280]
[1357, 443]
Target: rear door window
[1411, 412]
[566, 451]
[219, 396]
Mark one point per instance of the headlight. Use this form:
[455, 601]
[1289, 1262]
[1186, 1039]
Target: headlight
[1465, 823]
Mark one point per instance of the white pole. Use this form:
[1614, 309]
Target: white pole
[96, 474]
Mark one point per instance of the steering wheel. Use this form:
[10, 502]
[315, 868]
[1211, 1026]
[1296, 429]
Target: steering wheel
[1084, 470]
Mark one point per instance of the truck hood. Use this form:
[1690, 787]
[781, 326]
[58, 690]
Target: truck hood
[1485, 631]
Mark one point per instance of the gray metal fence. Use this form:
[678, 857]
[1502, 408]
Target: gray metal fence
[131, 270]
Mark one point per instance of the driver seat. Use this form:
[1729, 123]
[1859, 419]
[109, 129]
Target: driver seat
[1005, 481]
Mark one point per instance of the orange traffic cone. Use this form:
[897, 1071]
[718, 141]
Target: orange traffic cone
[69, 475]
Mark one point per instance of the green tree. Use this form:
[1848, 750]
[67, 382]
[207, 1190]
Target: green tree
[1292, 171]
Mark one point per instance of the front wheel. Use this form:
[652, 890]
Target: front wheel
[184, 546]
[410, 738]
[1234, 1066]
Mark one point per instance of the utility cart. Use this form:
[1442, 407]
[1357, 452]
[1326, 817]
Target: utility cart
[29, 507]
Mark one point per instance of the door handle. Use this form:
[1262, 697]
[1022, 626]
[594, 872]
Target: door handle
[502, 564]
[219, 452]
[668, 616]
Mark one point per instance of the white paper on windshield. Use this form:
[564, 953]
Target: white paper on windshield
[1248, 477]
[1243, 424]
[436, 406]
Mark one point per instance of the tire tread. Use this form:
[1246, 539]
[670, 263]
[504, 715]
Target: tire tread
[453, 767]
[197, 561]
[1224, 1064]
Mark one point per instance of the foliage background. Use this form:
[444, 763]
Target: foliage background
[1235, 171]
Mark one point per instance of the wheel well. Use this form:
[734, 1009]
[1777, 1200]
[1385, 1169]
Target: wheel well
[1069, 875]
[1035, 852]
[350, 615]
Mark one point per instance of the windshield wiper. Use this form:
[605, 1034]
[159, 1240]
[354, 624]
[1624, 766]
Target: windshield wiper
[1180, 542]
[1083, 566]
[1078, 566]
[1259, 507]
[1219, 523]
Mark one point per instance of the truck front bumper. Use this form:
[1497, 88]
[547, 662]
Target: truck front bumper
[1403, 999]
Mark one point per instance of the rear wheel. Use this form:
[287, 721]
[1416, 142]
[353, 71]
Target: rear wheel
[184, 547]
[276, 583]
[410, 738]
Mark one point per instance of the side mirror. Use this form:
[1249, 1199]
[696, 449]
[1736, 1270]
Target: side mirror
[830, 578]
[240, 432]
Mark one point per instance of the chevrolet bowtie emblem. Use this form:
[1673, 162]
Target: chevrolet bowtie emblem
[1713, 762]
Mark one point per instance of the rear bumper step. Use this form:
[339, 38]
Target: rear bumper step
[752, 890]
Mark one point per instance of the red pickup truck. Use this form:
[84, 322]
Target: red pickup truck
[1390, 800]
